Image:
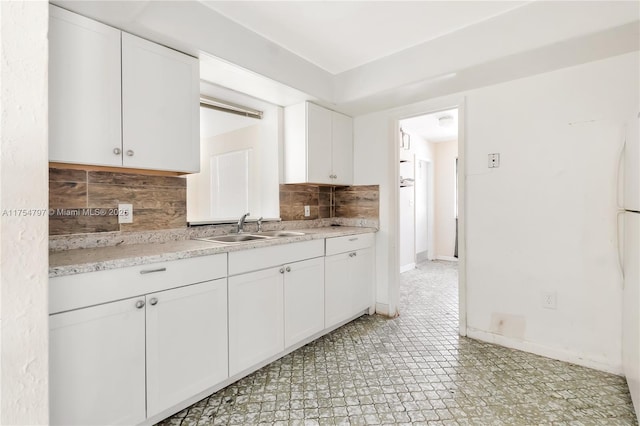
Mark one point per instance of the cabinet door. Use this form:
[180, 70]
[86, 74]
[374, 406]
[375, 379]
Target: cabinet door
[160, 107]
[256, 318]
[337, 289]
[186, 342]
[318, 144]
[342, 149]
[96, 365]
[361, 279]
[303, 300]
[84, 90]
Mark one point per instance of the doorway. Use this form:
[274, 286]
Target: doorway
[428, 189]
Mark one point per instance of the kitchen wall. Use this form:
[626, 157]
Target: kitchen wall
[545, 221]
[24, 327]
[83, 201]
[445, 193]
[326, 202]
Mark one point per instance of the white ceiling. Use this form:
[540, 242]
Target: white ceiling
[385, 54]
[429, 127]
[340, 35]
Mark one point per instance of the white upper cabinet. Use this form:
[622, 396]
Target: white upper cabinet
[84, 90]
[160, 107]
[318, 145]
[342, 148]
[118, 100]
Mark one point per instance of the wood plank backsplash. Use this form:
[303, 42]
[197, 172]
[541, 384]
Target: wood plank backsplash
[328, 202]
[85, 201]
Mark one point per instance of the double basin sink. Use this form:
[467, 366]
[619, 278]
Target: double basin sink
[240, 238]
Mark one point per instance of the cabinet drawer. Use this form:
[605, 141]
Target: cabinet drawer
[267, 257]
[349, 243]
[93, 288]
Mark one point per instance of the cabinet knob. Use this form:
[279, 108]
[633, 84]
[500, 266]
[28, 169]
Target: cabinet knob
[282, 270]
[130, 152]
[354, 254]
[117, 151]
[140, 304]
[288, 268]
[153, 301]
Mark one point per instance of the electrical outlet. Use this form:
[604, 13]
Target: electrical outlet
[494, 161]
[549, 300]
[307, 211]
[125, 213]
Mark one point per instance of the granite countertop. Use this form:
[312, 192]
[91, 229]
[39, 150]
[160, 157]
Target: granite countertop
[77, 261]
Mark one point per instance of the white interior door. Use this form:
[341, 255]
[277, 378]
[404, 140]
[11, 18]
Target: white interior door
[421, 208]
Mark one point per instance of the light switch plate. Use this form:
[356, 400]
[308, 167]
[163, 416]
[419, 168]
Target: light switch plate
[307, 211]
[125, 213]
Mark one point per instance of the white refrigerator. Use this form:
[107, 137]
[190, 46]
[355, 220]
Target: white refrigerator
[631, 262]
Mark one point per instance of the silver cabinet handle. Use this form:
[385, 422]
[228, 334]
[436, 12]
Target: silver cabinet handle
[130, 152]
[354, 254]
[288, 268]
[140, 304]
[117, 151]
[282, 270]
[151, 271]
[153, 301]
[353, 239]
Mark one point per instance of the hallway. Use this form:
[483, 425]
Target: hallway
[415, 369]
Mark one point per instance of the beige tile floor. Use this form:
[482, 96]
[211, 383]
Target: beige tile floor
[415, 369]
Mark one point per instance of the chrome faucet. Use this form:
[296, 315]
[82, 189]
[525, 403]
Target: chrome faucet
[241, 223]
[260, 224]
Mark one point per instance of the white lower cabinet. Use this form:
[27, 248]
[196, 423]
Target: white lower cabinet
[303, 300]
[256, 318]
[186, 343]
[97, 365]
[99, 355]
[117, 359]
[348, 284]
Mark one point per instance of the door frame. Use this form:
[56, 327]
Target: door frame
[425, 108]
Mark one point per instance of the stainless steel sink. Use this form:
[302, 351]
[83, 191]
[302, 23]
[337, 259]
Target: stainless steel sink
[282, 233]
[235, 238]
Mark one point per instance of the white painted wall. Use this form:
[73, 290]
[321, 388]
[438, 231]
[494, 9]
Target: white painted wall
[23, 185]
[445, 193]
[540, 222]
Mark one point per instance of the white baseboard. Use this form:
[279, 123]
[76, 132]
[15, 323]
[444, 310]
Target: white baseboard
[449, 258]
[382, 309]
[408, 267]
[545, 351]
